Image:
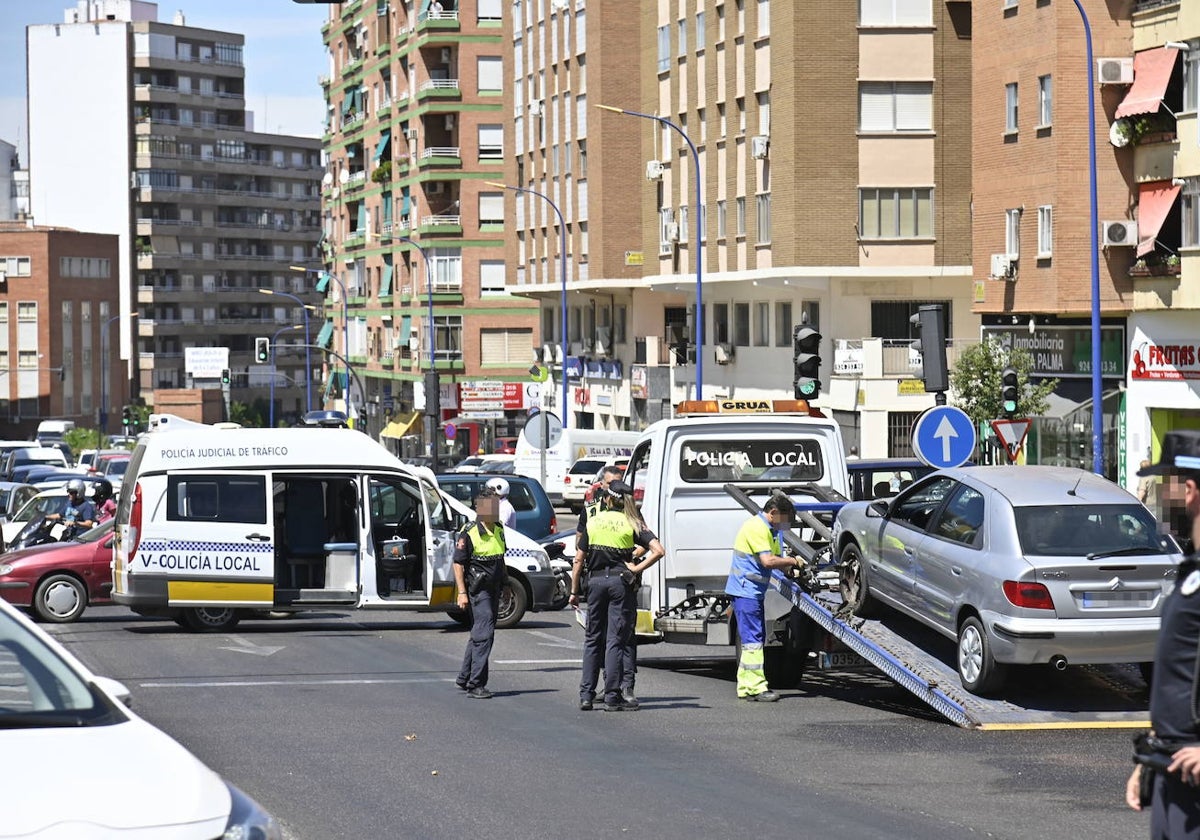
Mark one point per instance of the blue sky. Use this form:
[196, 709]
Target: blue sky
[283, 54]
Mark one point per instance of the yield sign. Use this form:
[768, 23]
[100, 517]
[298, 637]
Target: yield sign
[1011, 434]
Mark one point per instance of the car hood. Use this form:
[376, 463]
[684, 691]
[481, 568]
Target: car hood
[124, 780]
[33, 551]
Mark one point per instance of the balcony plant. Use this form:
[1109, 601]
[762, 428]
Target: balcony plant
[382, 173]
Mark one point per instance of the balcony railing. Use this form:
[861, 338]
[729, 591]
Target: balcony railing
[440, 151]
[455, 221]
[438, 84]
[887, 357]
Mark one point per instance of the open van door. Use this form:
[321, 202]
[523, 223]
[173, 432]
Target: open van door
[441, 522]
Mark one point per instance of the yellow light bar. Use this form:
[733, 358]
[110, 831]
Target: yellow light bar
[746, 407]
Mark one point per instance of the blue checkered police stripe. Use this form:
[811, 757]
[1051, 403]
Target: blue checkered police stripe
[523, 552]
[198, 545]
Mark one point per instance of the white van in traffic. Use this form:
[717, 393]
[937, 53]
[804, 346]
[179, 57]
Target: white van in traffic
[568, 447]
[217, 522]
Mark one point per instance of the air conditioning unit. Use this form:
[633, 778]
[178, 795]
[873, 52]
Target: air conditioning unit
[449, 122]
[445, 55]
[759, 144]
[535, 107]
[723, 353]
[1115, 71]
[654, 170]
[410, 134]
[1003, 267]
[1120, 234]
[673, 232]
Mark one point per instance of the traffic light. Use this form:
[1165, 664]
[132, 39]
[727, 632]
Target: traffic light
[806, 343]
[126, 416]
[262, 350]
[931, 344]
[1010, 391]
[225, 376]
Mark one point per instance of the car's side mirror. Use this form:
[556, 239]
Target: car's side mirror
[877, 509]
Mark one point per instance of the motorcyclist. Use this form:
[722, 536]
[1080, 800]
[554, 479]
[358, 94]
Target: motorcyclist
[80, 514]
[102, 498]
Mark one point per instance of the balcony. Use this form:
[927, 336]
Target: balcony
[883, 358]
[440, 156]
[438, 89]
[441, 225]
[444, 21]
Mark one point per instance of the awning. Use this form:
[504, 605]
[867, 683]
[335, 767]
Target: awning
[382, 145]
[385, 282]
[405, 330]
[400, 427]
[1155, 200]
[362, 217]
[325, 334]
[1151, 73]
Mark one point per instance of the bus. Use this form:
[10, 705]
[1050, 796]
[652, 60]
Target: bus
[572, 445]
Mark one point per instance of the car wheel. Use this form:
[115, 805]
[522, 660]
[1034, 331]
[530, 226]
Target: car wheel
[853, 585]
[210, 619]
[977, 670]
[514, 601]
[60, 598]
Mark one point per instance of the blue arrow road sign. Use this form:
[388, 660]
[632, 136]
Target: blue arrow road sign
[944, 436]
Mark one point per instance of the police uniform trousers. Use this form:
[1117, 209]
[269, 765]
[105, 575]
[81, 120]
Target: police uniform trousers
[474, 671]
[608, 629]
[629, 651]
[1175, 811]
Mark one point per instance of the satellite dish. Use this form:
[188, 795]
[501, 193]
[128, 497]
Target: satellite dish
[1118, 133]
[327, 179]
[344, 177]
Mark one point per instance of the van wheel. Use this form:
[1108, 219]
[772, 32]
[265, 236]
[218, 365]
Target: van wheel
[514, 601]
[853, 585]
[59, 599]
[210, 619]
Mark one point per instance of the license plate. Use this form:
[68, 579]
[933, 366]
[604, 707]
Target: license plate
[842, 659]
[1126, 598]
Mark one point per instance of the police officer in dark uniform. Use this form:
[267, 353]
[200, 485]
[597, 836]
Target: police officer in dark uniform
[606, 547]
[480, 573]
[1173, 794]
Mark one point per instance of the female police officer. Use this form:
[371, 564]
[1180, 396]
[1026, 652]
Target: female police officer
[607, 545]
[479, 572]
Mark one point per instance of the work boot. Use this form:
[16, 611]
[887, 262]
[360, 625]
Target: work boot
[585, 705]
[629, 698]
[764, 697]
[619, 706]
[479, 692]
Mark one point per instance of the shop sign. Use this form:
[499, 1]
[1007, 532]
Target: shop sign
[486, 396]
[1174, 359]
[1065, 352]
[637, 382]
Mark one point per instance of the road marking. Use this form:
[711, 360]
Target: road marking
[554, 641]
[247, 646]
[538, 661]
[1068, 724]
[253, 683]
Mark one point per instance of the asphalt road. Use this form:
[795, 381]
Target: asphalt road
[349, 725]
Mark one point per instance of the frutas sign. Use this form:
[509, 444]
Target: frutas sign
[1175, 360]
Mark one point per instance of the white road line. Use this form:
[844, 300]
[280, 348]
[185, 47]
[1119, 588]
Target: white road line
[252, 683]
[538, 661]
[554, 641]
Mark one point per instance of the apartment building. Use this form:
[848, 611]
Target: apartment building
[208, 212]
[827, 142]
[14, 184]
[58, 295]
[414, 233]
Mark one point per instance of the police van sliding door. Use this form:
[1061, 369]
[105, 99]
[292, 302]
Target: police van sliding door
[219, 548]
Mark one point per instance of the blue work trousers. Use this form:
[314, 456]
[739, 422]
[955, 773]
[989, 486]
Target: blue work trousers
[474, 672]
[608, 629]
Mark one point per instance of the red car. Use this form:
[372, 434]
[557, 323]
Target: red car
[505, 446]
[59, 580]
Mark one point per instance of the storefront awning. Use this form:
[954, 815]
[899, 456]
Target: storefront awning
[1155, 201]
[1151, 73]
[401, 426]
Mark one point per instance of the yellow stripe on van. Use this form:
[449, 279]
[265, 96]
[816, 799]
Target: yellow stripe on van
[219, 592]
[443, 595]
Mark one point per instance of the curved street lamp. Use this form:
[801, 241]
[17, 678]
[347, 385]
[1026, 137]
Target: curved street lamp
[307, 354]
[321, 286]
[271, 412]
[104, 367]
[434, 422]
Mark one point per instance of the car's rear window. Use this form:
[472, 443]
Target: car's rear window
[1078, 530]
[751, 460]
[588, 467]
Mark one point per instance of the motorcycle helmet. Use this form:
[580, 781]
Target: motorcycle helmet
[103, 491]
[75, 487]
[498, 486]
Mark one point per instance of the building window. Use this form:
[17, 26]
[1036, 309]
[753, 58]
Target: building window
[764, 217]
[1012, 233]
[664, 49]
[810, 313]
[620, 316]
[741, 109]
[721, 119]
[666, 218]
[16, 266]
[446, 264]
[764, 113]
[491, 277]
[783, 323]
[447, 330]
[740, 205]
[27, 310]
[720, 326]
[1191, 77]
[1045, 101]
[582, 159]
[721, 219]
[27, 359]
[700, 31]
[1045, 231]
[900, 425]
[762, 324]
[682, 30]
[741, 324]
[1190, 210]
[491, 210]
[895, 106]
[683, 223]
[901, 213]
[1010, 108]
[895, 13]
[505, 347]
[702, 118]
[491, 142]
[892, 319]
[490, 74]
[764, 18]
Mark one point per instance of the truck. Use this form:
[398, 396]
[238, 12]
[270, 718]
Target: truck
[567, 447]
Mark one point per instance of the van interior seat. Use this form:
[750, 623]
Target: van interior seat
[305, 533]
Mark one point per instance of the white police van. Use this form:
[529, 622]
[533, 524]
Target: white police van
[215, 524]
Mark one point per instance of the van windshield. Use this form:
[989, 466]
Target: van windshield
[777, 459]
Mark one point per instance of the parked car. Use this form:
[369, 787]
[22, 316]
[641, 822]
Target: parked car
[483, 463]
[72, 732]
[13, 496]
[505, 446]
[59, 580]
[535, 514]
[579, 478]
[1017, 564]
[33, 455]
[879, 478]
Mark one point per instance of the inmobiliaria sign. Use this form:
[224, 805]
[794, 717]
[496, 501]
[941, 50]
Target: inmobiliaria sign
[1176, 360]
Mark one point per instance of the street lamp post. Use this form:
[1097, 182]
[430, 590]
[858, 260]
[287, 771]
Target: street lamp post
[562, 253]
[1097, 381]
[271, 411]
[699, 238]
[104, 369]
[434, 422]
[321, 286]
[307, 355]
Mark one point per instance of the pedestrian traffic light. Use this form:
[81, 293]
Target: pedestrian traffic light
[931, 344]
[225, 376]
[806, 344]
[262, 350]
[1010, 391]
[126, 416]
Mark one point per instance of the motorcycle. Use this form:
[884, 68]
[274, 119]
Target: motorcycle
[556, 550]
[39, 531]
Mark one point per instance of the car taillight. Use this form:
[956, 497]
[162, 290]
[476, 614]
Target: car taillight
[639, 493]
[553, 524]
[566, 479]
[135, 522]
[1033, 596]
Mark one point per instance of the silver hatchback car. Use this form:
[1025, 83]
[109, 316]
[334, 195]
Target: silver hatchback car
[1017, 564]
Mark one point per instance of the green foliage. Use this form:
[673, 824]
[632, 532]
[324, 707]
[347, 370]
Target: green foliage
[252, 416]
[976, 380]
[382, 173]
[80, 439]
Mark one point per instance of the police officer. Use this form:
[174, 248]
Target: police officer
[607, 546]
[480, 574]
[1174, 695]
[757, 549]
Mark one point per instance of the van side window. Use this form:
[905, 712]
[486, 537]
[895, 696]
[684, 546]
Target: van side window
[639, 461]
[217, 498]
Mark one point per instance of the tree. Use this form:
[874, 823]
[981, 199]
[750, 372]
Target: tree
[250, 416]
[976, 380]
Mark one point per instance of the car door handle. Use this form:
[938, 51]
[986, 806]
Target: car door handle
[259, 537]
[910, 552]
[956, 570]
